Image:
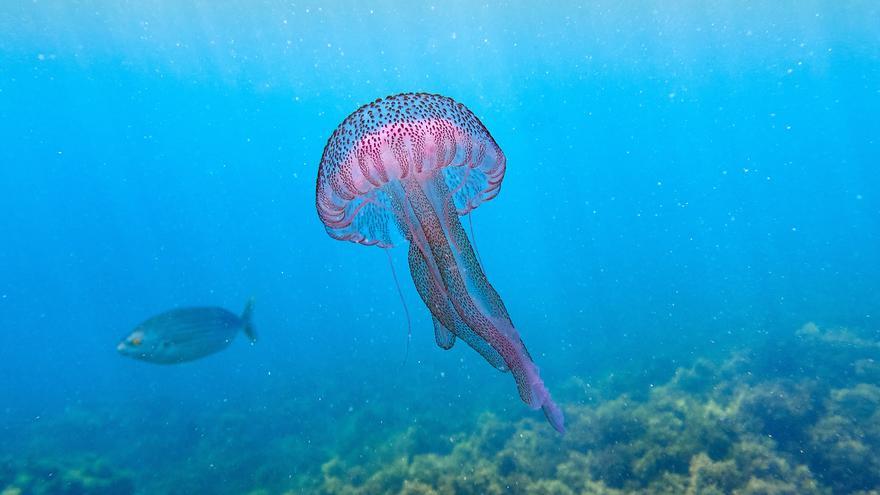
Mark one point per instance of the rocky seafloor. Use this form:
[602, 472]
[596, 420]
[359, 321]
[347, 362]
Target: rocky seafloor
[798, 415]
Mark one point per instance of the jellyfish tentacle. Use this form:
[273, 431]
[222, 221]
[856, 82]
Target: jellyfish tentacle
[405, 308]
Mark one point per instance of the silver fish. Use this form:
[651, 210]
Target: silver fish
[186, 334]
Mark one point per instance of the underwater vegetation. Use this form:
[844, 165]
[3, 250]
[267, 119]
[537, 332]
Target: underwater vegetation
[733, 427]
[799, 415]
[87, 475]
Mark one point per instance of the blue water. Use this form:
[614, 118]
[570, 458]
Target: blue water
[684, 181]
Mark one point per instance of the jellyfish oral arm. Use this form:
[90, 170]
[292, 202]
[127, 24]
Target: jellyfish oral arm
[457, 291]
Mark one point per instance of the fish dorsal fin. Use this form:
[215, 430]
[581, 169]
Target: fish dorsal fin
[445, 339]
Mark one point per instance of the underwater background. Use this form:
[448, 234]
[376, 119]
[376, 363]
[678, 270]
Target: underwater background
[687, 238]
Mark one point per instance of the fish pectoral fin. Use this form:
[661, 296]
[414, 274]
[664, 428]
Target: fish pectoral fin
[445, 339]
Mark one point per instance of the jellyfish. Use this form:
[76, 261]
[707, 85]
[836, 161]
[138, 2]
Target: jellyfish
[404, 169]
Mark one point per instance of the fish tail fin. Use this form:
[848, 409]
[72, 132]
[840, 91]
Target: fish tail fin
[246, 318]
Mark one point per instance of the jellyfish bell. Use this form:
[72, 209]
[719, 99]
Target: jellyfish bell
[405, 168]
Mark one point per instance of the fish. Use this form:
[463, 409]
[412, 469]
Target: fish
[187, 334]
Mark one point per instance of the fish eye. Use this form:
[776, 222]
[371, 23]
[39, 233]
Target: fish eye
[136, 340]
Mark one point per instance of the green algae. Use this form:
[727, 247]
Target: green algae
[760, 421]
[86, 475]
[732, 427]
